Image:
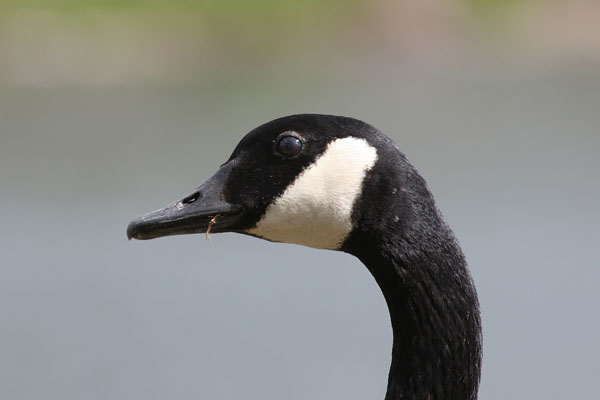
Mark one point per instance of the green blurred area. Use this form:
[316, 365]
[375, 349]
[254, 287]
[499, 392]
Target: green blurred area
[204, 6]
[224, 7]
[494, 5]
[117, 41]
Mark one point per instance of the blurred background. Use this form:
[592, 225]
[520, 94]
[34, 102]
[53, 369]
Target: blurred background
[112, 108]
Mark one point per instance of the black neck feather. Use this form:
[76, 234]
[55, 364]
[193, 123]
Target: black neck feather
[434, 311]
[432, 301]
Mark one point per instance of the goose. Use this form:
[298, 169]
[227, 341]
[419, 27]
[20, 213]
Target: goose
[337, 183]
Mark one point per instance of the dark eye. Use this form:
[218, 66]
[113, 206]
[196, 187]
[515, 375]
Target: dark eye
[289, 146]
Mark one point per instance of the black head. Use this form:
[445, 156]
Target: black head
[295, 179]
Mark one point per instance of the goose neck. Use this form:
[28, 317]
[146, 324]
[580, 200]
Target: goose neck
[434, 311]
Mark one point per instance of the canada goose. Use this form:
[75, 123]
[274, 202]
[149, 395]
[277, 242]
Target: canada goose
[338, 183]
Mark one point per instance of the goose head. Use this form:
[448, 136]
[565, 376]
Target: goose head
[296, 180]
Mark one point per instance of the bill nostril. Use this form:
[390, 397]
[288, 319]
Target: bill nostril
[191, 198]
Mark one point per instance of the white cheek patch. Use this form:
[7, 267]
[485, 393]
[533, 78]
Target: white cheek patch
[316, 209]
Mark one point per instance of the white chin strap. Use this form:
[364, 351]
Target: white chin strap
[316, 209]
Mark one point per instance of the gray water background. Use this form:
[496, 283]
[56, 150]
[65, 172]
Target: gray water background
[84, 314]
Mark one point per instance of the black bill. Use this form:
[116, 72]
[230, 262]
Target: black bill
[196, 213]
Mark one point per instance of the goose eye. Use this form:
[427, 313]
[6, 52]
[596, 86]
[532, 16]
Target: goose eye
[289, 146]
